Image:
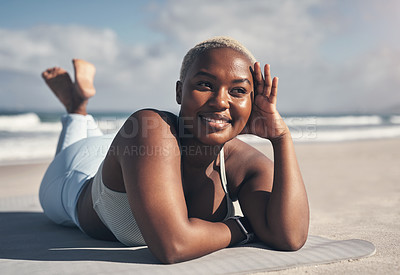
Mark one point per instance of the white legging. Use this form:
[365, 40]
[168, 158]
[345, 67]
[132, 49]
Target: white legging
[81, 149]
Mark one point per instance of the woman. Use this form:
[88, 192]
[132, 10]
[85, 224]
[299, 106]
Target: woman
[168, 181]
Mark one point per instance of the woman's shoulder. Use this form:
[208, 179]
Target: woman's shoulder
[150, 125]
[152, 118]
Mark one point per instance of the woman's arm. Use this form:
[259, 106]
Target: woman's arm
[151, 166]
[274, 199]
[288, 204]
[275, 202]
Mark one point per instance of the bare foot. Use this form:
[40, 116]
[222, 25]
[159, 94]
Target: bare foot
[61, 84]
[74, 96]
[84, 76]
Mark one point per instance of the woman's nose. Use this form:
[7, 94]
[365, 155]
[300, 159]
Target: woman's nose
[220, 99]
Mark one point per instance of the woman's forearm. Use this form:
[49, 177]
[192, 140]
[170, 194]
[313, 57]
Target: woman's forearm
[287, 211]
[199, 238]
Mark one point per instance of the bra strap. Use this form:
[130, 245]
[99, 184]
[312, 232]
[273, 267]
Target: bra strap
[223, 173]
[229, 204]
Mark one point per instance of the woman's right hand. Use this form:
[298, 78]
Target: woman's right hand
[265, 121]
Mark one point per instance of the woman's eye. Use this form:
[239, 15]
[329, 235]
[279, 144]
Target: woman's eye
[204, 85]
[239, 91]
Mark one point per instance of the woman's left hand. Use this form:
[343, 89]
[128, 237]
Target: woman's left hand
[265, 121]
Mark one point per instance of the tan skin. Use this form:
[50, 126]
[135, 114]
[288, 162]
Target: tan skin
[180, 207]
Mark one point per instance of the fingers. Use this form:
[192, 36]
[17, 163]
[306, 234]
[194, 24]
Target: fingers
[271, 85]
[267, 87]
[268, 81]
[258, 79]
[274, 91]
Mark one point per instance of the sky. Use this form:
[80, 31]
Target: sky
[331, 57]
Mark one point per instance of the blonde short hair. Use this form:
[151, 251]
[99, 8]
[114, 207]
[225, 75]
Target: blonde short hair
[212, 43]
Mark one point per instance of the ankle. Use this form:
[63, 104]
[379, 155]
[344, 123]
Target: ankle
[78, 108]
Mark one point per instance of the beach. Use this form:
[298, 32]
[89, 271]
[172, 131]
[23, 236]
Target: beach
[353, 189]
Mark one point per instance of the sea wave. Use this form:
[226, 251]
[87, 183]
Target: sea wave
[32, 123]
[23, 149]
[27, 137]
[302, 135]
[357, 134]
[333, 121]
[395, 119]
[27, 122]
[31, 136]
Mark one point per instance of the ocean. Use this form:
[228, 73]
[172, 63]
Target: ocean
[32, 136]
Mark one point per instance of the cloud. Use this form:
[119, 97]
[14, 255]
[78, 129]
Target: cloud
[25, 50]
[269, 28]
[127, 77]
[374, 80]
[325, 56]
[322, 52]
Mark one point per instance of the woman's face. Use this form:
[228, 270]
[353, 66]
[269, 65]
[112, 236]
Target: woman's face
[216, 95]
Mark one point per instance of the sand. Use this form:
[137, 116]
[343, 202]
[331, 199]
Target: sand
[354, 193]
[353, 189]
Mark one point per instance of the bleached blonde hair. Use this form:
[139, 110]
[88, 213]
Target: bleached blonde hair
[212, 43]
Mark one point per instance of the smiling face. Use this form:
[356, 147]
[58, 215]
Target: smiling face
[216, 95]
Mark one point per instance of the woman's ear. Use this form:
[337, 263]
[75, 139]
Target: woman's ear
[178, 90]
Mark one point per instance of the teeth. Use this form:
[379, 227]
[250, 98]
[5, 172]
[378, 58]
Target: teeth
[214, 120]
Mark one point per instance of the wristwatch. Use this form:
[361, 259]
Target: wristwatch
[246, 229]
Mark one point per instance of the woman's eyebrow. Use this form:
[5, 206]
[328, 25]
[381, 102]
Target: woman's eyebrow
[202, 73]
[239, 80]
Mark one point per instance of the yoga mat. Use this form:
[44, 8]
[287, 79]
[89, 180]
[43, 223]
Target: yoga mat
[31, 244]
